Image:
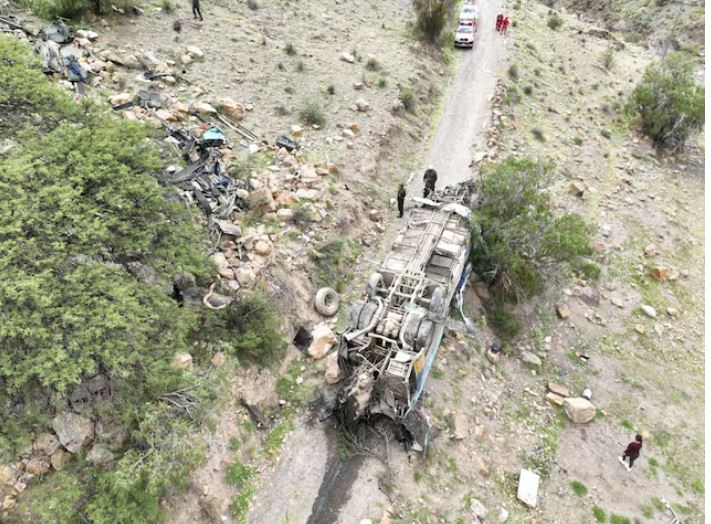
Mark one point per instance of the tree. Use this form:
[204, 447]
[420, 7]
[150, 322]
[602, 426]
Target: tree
[517, 241]
[669, 101]
[432, 16]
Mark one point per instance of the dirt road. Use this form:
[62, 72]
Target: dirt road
[466, 110]
[311, 483]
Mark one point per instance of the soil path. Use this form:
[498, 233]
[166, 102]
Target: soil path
[311, 483]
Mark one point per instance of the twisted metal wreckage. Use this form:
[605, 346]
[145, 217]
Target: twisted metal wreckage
[392, 338]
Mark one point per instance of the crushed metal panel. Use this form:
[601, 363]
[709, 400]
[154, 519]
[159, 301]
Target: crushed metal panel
[528, 487]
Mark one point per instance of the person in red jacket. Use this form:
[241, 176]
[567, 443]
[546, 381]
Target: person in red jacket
[632, 452]
[505, 25]
[499, 18]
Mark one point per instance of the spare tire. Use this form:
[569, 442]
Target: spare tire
[326, 301]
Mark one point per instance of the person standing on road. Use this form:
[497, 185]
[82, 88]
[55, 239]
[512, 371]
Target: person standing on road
[632, 452]
[430, 179]
[505, 25]
[499, 18]
[401, 200]
[196, 10]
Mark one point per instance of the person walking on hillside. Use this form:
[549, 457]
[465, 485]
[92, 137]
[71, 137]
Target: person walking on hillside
[196, 10]
[401, 200]
[505, 25]
[631, 452]
[430, 179]
[499, 18]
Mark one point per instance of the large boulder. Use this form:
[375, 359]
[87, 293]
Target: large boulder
[59, 459]
[99, 455]
[72, 430]
[45, 444]
[323, 341]
[37, 465]
[579, 410]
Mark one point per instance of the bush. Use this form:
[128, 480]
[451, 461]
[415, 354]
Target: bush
[250, 328]
[512, 96]
[599, 514]
[290, 49]
[513, 72]
[331, 260]
[408, 99]
[528, 90]
[252, 4]
[372, 64]
[502, 322]
[432, 17]
[517, 242]
[607, 59]
[313, 114]
[669, 101]
[554, 21]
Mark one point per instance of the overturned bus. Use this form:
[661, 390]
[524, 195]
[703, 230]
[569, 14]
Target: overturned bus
[393, 334]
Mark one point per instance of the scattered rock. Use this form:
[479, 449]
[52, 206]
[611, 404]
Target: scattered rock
[650, 250]
[121, 98]
[45, 444]
[262, 248]
[347, 133]
[195, 52]
[245, 276]
[348, 57]
[183, 361]
[231, 108]
[228, 227]
[659, 273]
[460, 426]
[558, 389]
[204, 108]
[296, 131]
[9, 502]
[362, 105]
[260, 197]
[333, 373]
[577, 189]
[531, 359]
[672, 312]
[285, 214]
[72, 430]
[563, 311]
[639, 328]
[648, 310]
[554, 398]
[37, 465]
[503, 515]
[59, 459]
[590, 296]
[8, 475]
[579, 410]
[323, 341]
[617, 302]
[99, 455]
[186, 59]
[478, 509]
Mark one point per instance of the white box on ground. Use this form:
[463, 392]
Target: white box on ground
[528, 487]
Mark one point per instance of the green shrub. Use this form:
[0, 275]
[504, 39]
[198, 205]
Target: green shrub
[579, 488]
[618, 519]
[238, 474]
[607, 59]
[290, 49]
[250, 328]
[331, 89]
[669, 101]
[554, 21]
[528, 90]
[512, 96]
[408, 99]
[516, 240]
[513, 72]
[312, 114]
[331, 260]
[252, 5]
[505, 324]
[432, 17]
[372, 64]
[538, 134]
[599, 514]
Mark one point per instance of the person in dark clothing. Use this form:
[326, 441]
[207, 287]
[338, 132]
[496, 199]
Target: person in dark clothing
[632, 452]
[196, 10]
[401, 200]
[499, 18]
[430, 179]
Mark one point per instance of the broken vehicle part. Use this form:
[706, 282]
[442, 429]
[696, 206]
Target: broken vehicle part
[287, 143]
[392, 338]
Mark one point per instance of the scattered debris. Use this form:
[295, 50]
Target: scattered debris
[659, 273]
[260, 421]
[528, 487]
[333, 373]
[563, 311]
[558, 389]
[323, 341]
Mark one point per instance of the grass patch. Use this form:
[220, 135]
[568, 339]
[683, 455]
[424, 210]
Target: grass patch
[275, 438]
[372, 64]
[599, 514]
[408, 99]
[239, 507]
[238, 474]
[513, 72]
[579, 488]
[619, 519]
[312, 114]
[554, 21]
[332, 261]
[698, 486]
[290, 49]
[627, 425]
